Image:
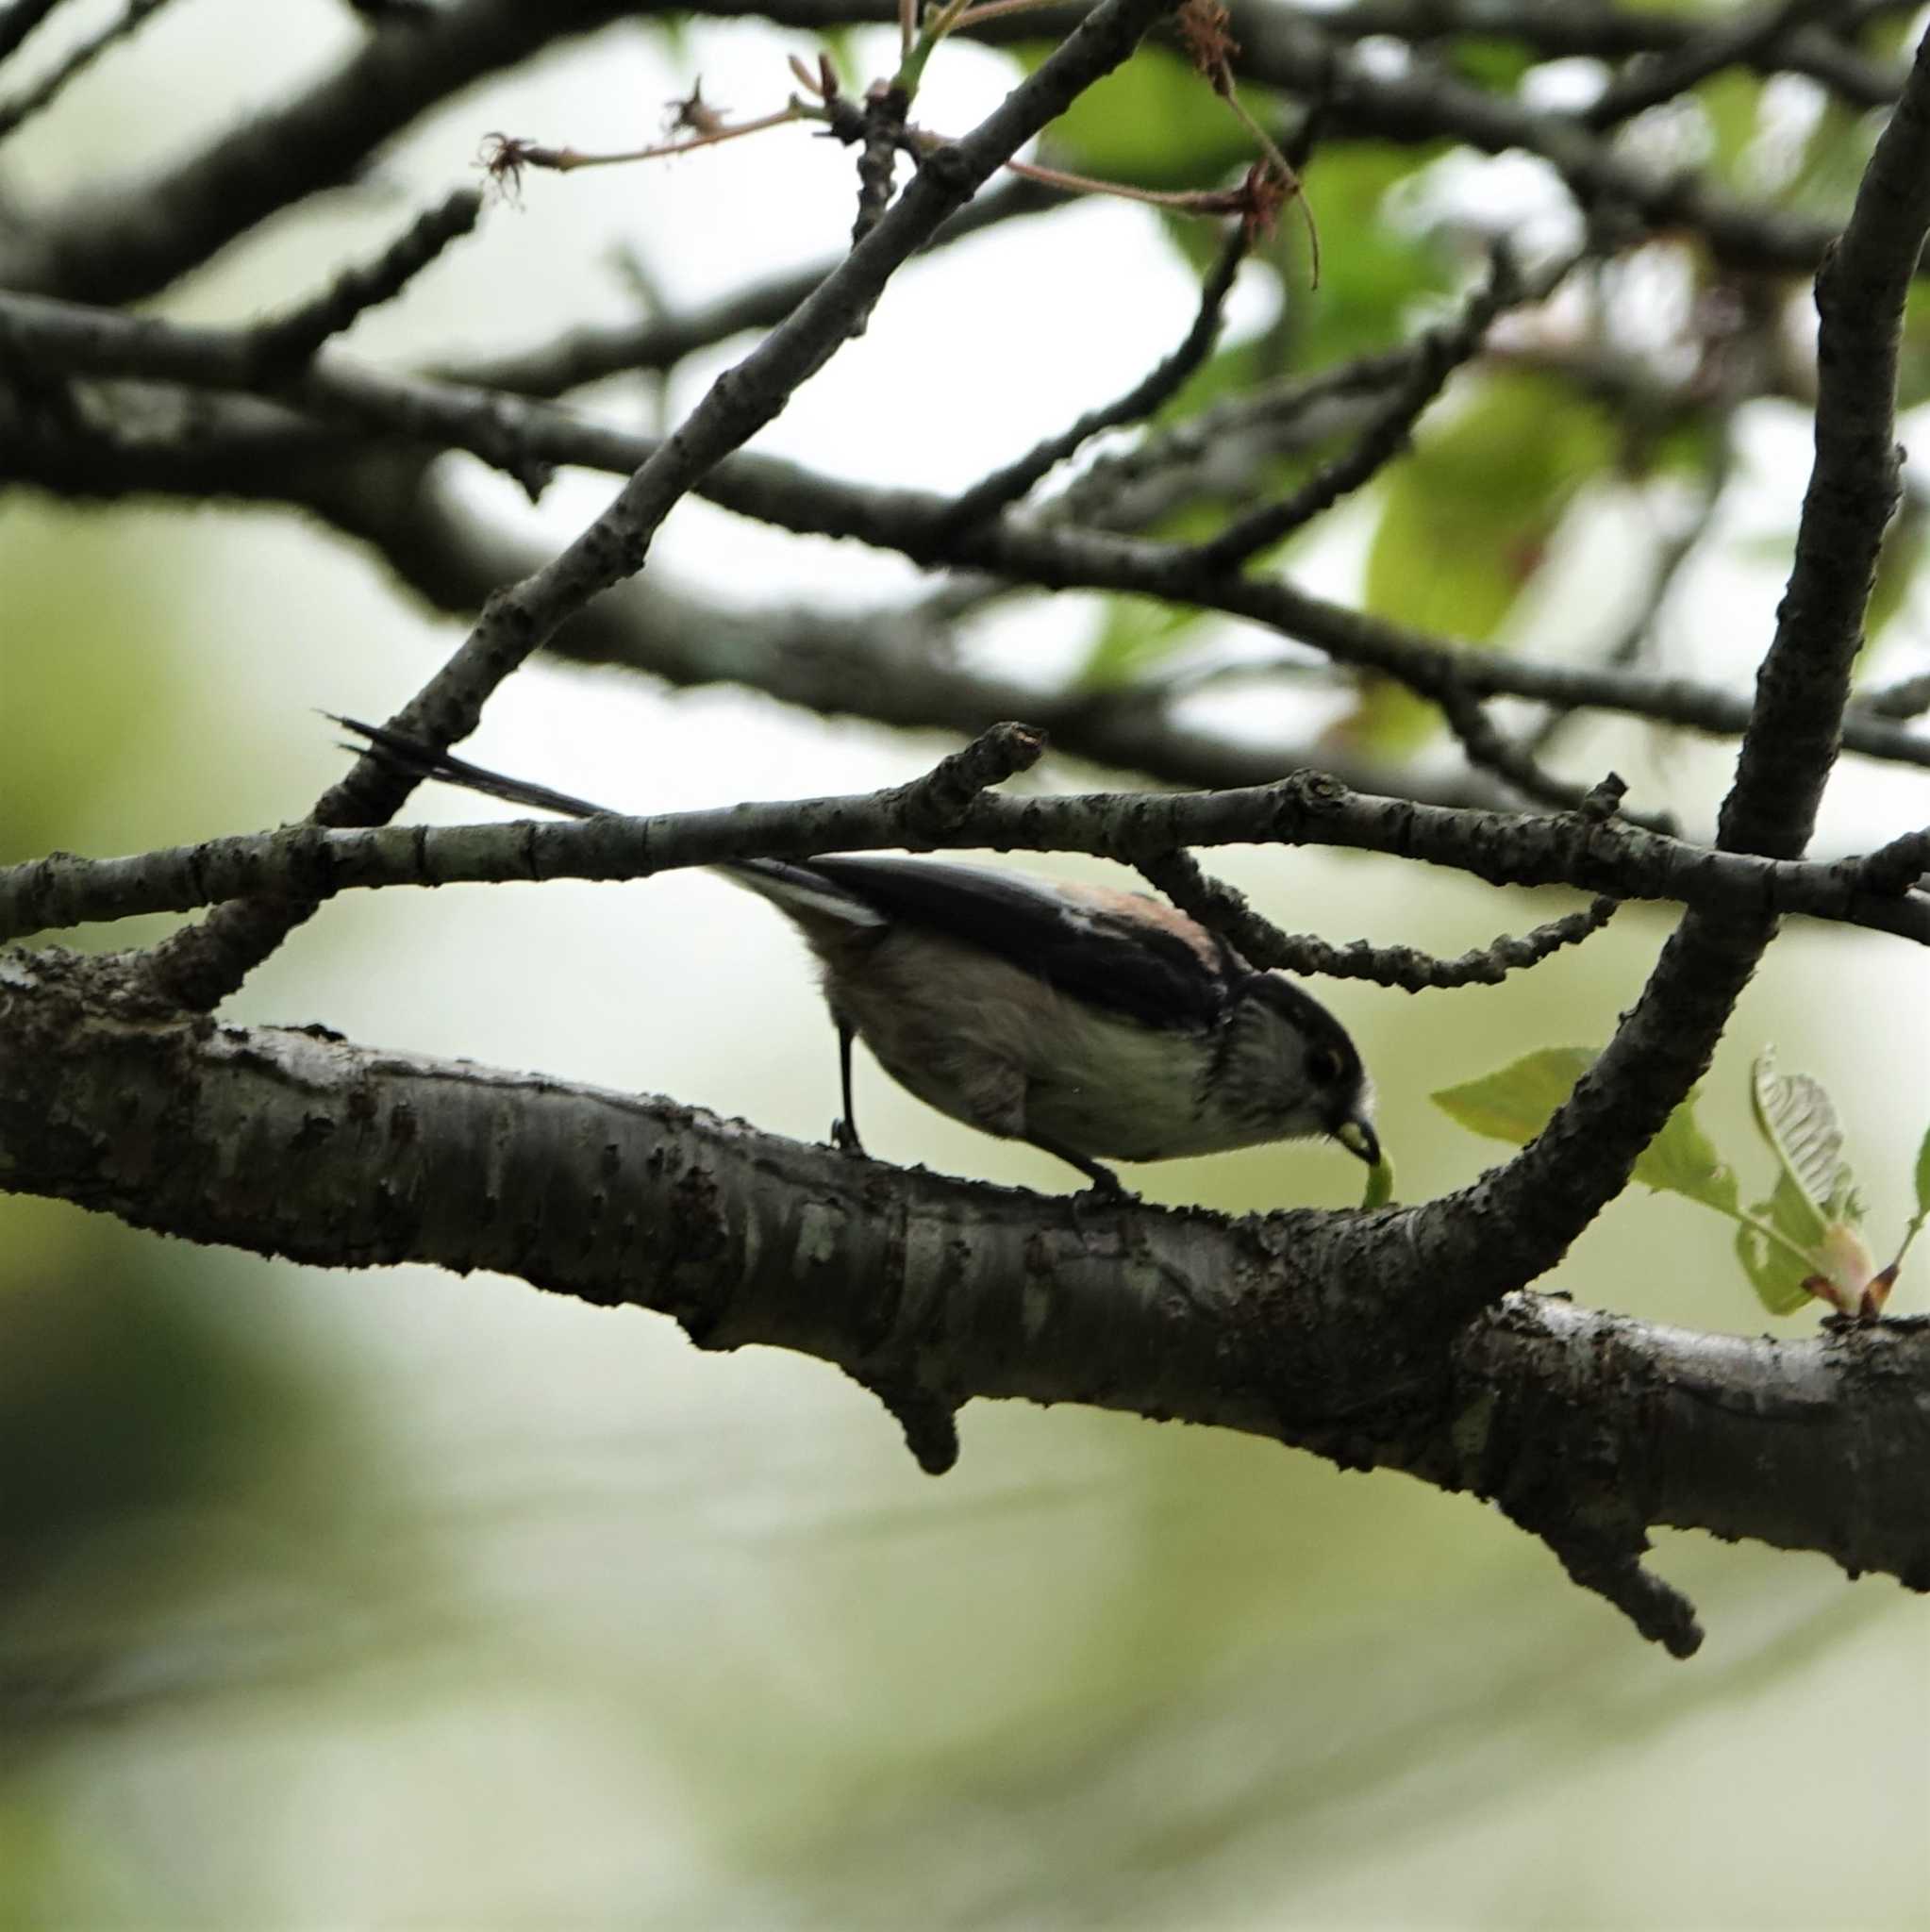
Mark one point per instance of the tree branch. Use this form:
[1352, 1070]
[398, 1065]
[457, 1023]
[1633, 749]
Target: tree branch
[1592, 853]
[201, 967]
[524, 437]
[1307, 1329]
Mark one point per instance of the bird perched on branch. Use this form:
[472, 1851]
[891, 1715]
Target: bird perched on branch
[1085, 1021]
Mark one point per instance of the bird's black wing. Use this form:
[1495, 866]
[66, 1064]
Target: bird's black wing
[1131, 955]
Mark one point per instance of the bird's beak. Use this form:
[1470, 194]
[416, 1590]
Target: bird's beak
[1359, 1138]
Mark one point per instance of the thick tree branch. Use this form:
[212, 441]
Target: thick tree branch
[1308, 1328]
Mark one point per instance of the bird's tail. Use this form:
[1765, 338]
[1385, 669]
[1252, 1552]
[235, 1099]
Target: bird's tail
[818, 905]
[420, 760]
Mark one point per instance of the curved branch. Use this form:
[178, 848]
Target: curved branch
[1534, 1207]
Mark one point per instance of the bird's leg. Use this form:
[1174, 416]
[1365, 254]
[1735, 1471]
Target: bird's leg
[844, 1130]
[1105, 1184]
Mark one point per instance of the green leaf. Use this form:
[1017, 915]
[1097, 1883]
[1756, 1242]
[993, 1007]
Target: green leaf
[1374, 270]
[1514, 1103]
[1153, 123]
[1496, 64]
[1796, 1117]
[1380, 1184]
[1775, 1274]
[1682, 1159]
[1838, 151]
[1136, 636]
[1924, 1176]
[1731, 103]
[1465, 521]
[1896, 569]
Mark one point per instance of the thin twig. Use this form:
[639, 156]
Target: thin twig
[49, 88]
[1225, 910]
[1652, 80]
[1436, 355]
[285, 343]
[200, 966]
[1007, 485]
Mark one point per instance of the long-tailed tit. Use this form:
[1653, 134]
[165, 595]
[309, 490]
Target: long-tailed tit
[1086, 1021]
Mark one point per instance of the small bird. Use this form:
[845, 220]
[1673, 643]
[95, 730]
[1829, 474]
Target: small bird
[1085, 1021]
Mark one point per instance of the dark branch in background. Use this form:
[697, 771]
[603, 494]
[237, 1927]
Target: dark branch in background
[50, 87]
[517, 434]
[1909, 697]
[285, 342]
[121, 240]
[18, 19]
[1436, 353]
[1283, 416]
[591, 353]
[891, 666]
[1006, 486]
[1515, 765]
[1303, 55]
[202, 966]
[124, 240]
[1555, 32]
[408, 12]
[1652, 81]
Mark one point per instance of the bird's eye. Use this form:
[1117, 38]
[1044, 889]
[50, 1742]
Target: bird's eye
[1325, 1066]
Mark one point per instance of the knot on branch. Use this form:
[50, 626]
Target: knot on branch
[938, 800]
[1607, 1561]
[1603, 800]
[1306, 795]
[929, 1419]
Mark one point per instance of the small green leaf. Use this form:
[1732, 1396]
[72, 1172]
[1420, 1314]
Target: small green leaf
[1136, 636]
[1924, 1176]
[1904, 544]
[1797, 1118]
[1514, 1103]
[1153, 121]
[1775, 1274]
[1682, 1159]
[1465, 521]
[1493, 63]
[1731, 103]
